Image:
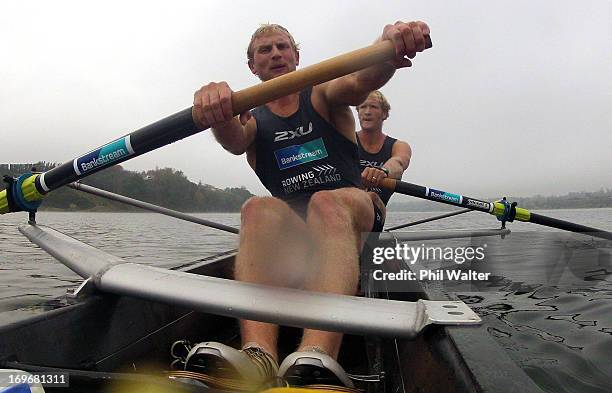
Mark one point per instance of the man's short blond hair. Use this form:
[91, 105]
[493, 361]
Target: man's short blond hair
[267, 28]
[384, 104]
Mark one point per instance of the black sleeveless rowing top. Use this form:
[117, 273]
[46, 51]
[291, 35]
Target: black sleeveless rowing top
[377, 160]
[299, 155]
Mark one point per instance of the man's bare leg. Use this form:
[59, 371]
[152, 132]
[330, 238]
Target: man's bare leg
[274, 250]
[336, 220]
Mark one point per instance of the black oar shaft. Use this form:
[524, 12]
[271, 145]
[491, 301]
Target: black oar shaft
[431, 194]
[151, 137]
[568, 226]
[475, 204]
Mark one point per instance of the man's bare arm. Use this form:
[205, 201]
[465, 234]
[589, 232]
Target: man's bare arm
[400, 159]
[396, 165]
[235, 137]
[353, 89]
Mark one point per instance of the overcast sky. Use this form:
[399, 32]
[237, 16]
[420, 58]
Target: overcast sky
[514, 98]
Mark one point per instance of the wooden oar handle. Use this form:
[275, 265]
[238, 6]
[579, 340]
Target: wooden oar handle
[315, 74]
[389, 184]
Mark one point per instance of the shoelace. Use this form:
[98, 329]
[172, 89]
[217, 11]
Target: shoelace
[266, 366]
[335, 388]
[265, 363]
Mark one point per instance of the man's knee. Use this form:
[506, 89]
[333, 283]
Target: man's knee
[346, 206]
[327, 206]
[262, 209]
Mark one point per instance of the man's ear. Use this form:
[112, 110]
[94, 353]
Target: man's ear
[385, 115]
[250, 64]
[297, 57]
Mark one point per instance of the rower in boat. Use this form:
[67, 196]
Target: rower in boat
[380, 155]
[303, 149]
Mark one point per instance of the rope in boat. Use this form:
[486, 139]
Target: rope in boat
[149, 206]
[240, 385]
[145, 337]
[429, 219]
[225, 383]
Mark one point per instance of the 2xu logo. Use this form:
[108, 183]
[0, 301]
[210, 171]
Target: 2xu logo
[288, 135]
[373, 164]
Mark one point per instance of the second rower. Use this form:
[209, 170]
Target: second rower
[380, 155]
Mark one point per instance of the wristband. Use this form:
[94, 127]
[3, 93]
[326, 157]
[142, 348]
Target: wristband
[382, 168]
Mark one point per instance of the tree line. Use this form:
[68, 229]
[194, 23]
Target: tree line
[165, 187]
